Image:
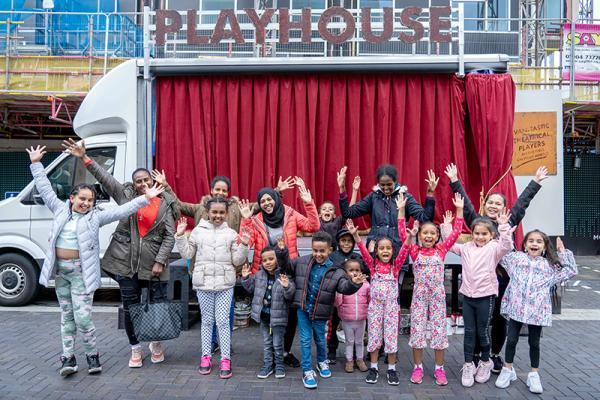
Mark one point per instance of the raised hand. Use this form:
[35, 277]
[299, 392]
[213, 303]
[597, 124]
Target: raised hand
[181, 226]
[356, 184]
[71, 147]
[304, 192]
[286, 184]
[541, 174]
[36, 155]
[560, 246]
[448, 217]
[458, 201]
[414, 231]
[159, 176]
[351, 228]
[246, 270]
[432, 181]
[341, 179]
[245, 209]
[401, 201]
[284, 280]
[359, 278]
[503, 216]
[371, 246]
[245, 236]
[452, 172]
[154, 191]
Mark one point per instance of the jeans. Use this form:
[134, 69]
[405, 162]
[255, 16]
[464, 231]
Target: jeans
[131, 290]
[272, 344]
[534, 333]
[477, 313]
[215, 332]
[307, 328]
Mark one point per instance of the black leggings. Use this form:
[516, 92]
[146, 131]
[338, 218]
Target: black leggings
[290, 330]
[498, 323]
[477, 313]
[332, 339]
[534, 333]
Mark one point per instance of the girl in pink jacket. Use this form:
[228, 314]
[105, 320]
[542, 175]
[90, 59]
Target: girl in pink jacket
[480, 288]
[352, 310]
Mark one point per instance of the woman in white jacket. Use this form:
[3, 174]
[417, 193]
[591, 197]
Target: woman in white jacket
[218, 249]
[74, 257]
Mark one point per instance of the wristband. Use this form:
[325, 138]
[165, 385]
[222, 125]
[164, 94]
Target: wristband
[87, 162]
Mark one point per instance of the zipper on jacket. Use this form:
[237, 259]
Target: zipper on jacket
[319, 291]
[142, 239]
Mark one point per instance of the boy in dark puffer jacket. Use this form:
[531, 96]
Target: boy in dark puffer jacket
[273, 292]
[317, 280]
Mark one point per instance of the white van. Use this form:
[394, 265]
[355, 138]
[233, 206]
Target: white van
[112, 120]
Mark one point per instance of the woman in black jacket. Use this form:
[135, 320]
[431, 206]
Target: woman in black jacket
[380, 204]
[494, 203]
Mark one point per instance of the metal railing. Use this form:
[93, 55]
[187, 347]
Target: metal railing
[68, 52]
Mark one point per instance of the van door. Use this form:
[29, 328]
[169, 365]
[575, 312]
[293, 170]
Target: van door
[63, 177]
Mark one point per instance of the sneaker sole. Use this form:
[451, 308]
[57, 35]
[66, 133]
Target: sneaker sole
[416, 382]
[280, 376]
[229, 375]
[93, 371]
[205, 372]
[306, 385]
[68, 371]
[371, 382]
[136, 365]
[264, 376]
[157, 360]
[441, 383]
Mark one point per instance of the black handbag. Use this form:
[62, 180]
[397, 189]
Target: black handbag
[156, 321]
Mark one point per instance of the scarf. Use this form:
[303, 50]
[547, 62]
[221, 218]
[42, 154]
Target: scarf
[275, 219]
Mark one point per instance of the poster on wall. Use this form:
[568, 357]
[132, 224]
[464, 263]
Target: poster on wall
[587, 52]
[534, 142]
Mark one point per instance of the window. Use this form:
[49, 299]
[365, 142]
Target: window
[71, 172]
[490, 15]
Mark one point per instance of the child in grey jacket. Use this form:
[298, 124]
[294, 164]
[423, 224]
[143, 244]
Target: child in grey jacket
[74, 257]
[273, 293]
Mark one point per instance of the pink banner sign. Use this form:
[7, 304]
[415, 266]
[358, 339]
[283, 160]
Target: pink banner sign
[587, 52]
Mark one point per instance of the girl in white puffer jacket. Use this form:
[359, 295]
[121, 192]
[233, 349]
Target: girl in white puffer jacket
[218, 249]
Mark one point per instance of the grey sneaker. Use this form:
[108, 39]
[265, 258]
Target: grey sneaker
[265, 372]
[93, 361]
[279, 372]
[506, 377]
[534, 383]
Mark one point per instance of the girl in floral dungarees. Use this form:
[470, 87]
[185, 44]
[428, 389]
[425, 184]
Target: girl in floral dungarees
[382, 313]
[532, 273]
[428, 306]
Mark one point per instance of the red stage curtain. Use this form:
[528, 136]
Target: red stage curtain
[490, 104]
[254, 128]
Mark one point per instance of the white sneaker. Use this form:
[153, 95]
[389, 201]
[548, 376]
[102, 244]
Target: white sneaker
[468, 372]
[534, 383]
[483, 371]
[506, 377]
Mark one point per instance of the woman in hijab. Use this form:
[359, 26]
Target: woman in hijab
[276, 220]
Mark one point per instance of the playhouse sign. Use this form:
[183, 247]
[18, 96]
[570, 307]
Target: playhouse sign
[228, 28]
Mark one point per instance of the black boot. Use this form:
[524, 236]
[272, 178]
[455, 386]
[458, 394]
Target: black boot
[94, 366]
[69, 365]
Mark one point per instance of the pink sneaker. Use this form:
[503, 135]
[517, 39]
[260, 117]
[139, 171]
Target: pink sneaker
[417, 375]
[205, 365]
[483, 371]
[225, 369]
[440, 377]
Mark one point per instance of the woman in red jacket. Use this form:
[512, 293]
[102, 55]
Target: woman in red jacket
[276, 220]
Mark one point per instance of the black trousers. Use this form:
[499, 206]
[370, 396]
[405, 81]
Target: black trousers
[131, 290]
[332, 339]
[290, 330]
[498, 322]
[535, 332]
[477, 313]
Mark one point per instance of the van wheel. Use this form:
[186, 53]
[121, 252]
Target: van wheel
[18, 280]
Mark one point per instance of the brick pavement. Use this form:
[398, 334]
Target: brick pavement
[30, 349]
